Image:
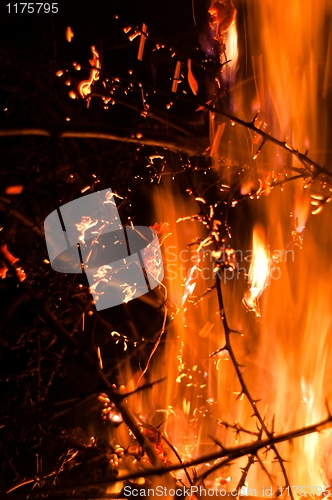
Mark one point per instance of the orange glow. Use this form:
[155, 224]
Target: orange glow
[285, 355]
[14, 189]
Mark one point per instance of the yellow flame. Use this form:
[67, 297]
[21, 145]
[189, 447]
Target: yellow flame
[231, 49]
[258, 271]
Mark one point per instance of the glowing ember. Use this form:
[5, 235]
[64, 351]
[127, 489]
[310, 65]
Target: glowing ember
[69, 34]
[144, 34]
[17, 189]
[258, 272]
[84, 87]
[11, 260]
[102, 275]
[85, 224]
[176, 76]
[129, 292]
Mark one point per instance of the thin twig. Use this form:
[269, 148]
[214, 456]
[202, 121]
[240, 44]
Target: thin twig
[71, 342]
[227, 454]
[190, 146]
[174, 450]
[155, 347]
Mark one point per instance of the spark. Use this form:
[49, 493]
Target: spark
[69, 34]
[100, 358]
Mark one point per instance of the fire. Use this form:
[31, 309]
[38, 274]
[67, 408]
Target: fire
[223, 15]
[232, 53]
[258, 272]
[301, 211]
[296, 319]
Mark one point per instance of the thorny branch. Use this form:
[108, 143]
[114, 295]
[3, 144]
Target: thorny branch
[244, 387]
[179, 144]
[228, 347]
[226, 456]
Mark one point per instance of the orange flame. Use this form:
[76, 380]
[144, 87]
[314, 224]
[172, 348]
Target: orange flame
[258, 272]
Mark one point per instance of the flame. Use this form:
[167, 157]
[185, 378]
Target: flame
[231, 42]
[258, 271]
[189, 285]
[301, 210]
[223, 25]
[223, 15]
[287, 359]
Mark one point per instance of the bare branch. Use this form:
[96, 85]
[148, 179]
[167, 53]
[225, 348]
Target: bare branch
[190, 146]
